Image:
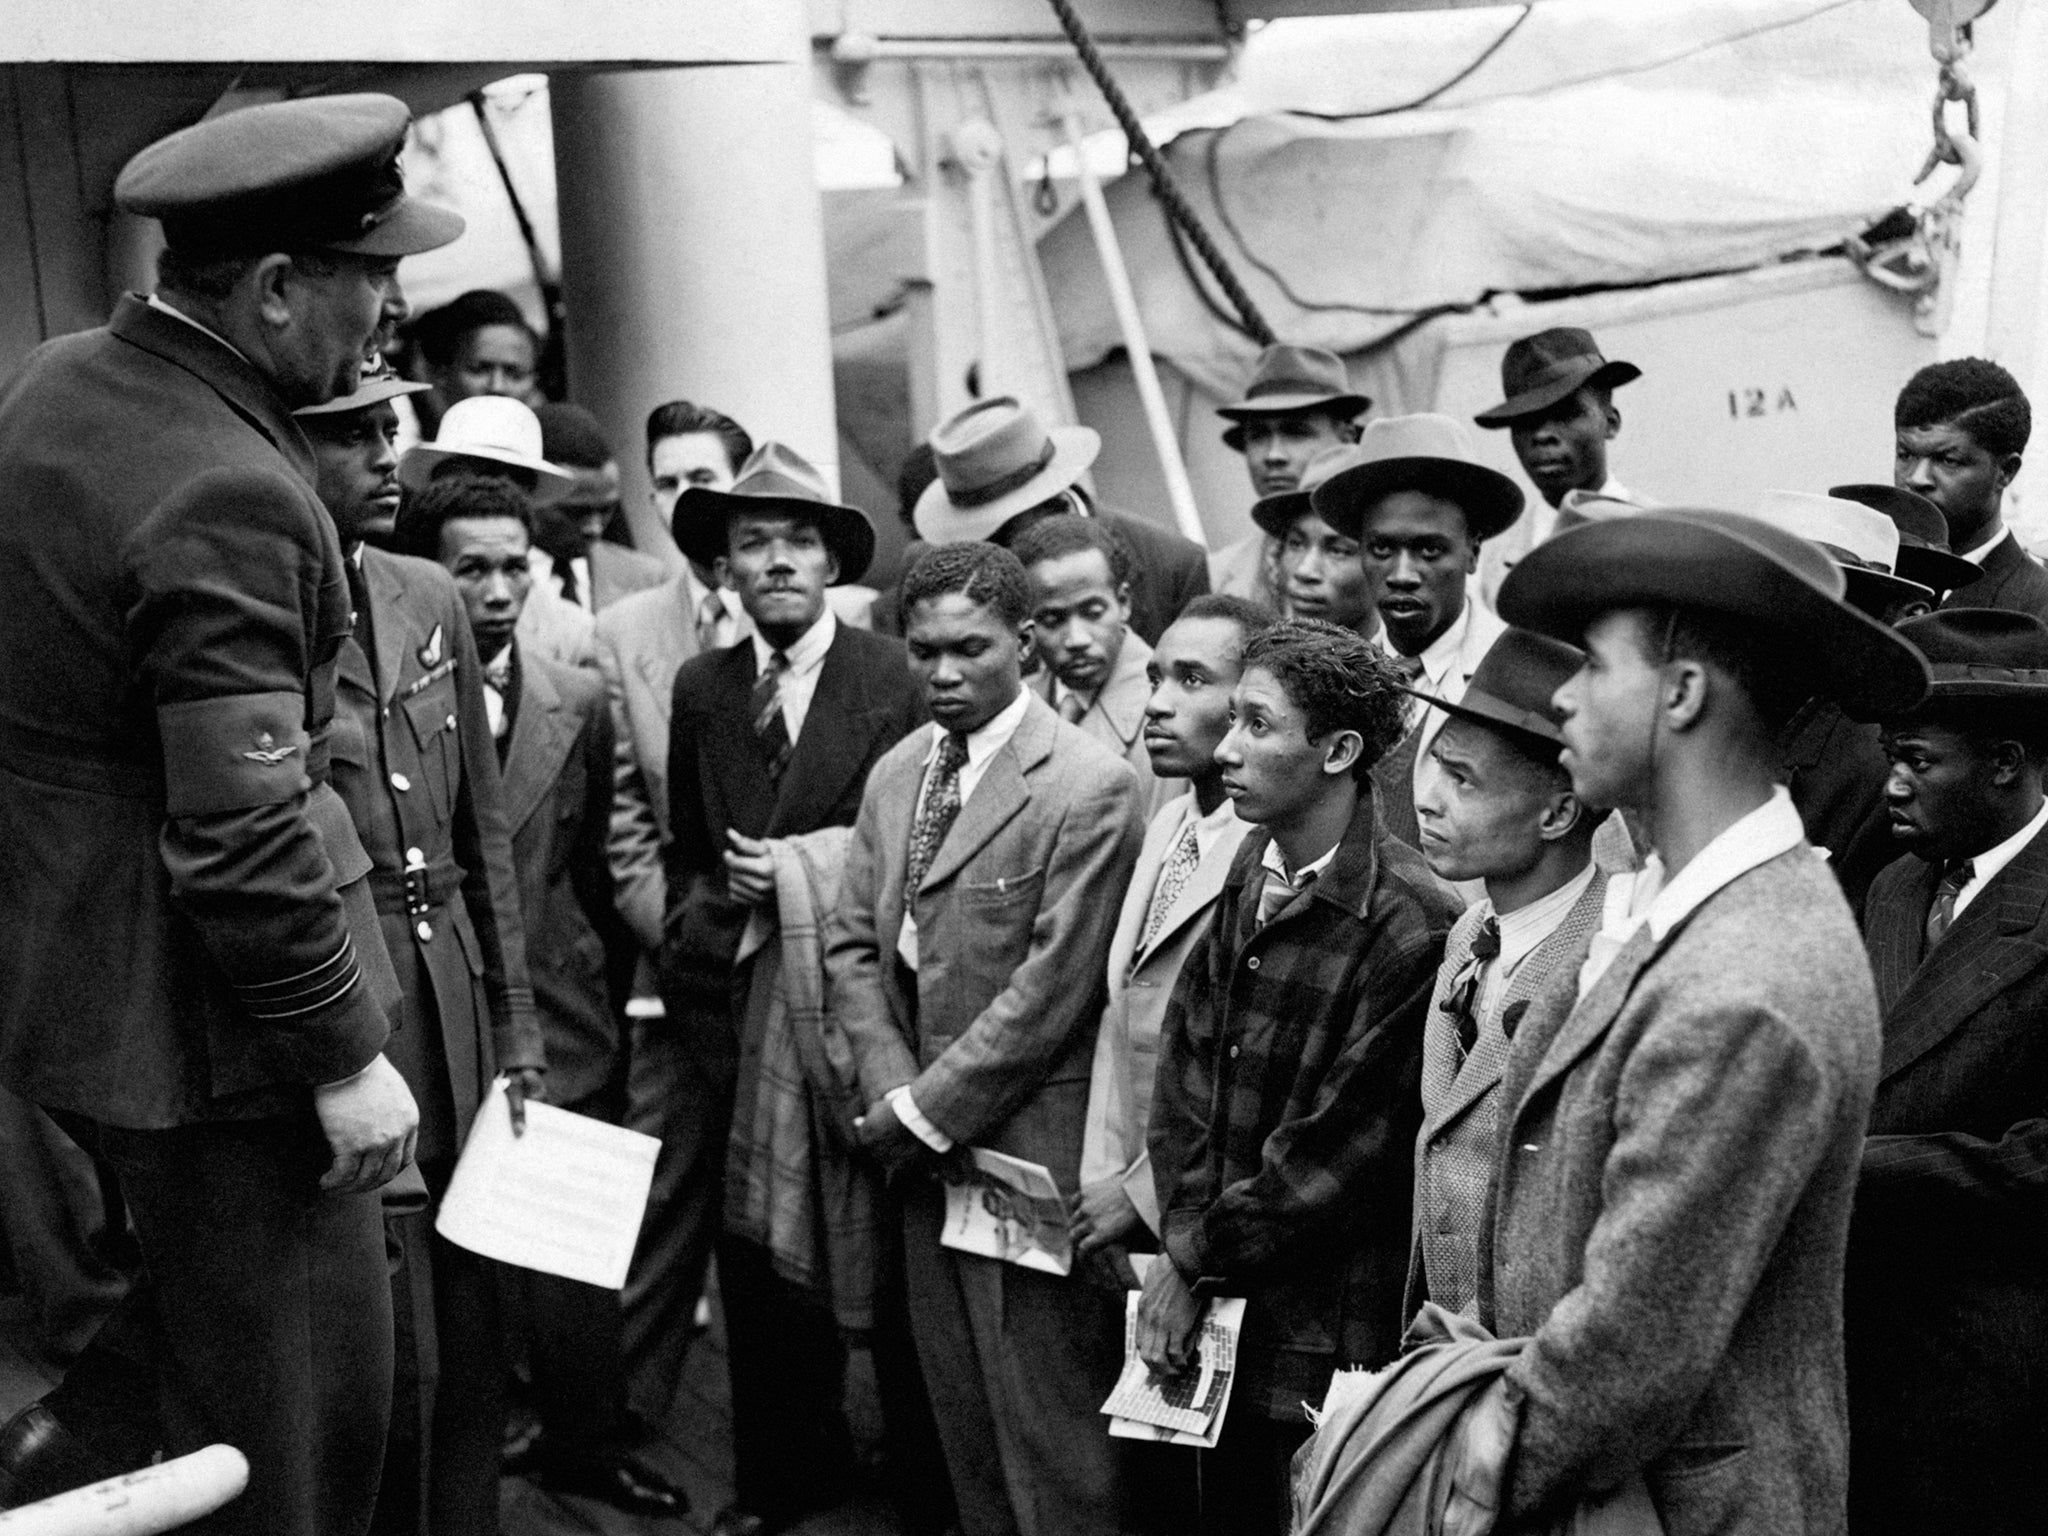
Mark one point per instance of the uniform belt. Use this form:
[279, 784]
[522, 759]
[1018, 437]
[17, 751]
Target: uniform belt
[419, 890]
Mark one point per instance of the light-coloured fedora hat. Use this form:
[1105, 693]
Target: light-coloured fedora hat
[996, 459]
[1860, 539]
[494, 428]
[774, 476]
[1426, 452]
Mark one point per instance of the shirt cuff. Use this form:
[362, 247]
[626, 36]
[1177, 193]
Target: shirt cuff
[907, 1111]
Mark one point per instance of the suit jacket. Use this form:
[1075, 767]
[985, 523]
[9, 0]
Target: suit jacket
[616, 571]
[1172, 572]
[865, 702]
[1395, 773]
[1284, 1114]
[1455, 1149]
[552, 626]
[415, 762]
[1677, 1156]
[1948, 1260]
[1014, 918]
[1836, 770]
[1116, 718]
[188, 933]
[556, 796]
[2012, 579]
[1141, 982]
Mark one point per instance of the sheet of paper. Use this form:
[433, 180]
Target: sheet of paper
[566, 1198]
[1187, 1409]
[1011, 1211]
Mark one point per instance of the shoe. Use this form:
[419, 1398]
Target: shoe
[734, 1521]
[635, 1489]
[40, 1458]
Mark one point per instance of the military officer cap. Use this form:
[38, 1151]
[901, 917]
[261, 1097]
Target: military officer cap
[317, 174]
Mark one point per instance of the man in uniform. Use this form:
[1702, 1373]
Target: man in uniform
[194, 981]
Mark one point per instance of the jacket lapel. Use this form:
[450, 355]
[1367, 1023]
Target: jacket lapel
[1895, 925]
[1595, 1013]
[1130, 922]
[540, 741]
[1203, 887]
[1124, 697]
[833, 744]
[1000, 795]
[352, 667]
[390, 622]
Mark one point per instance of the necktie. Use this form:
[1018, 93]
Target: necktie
[1409, 668]
[1072, 708]
[1279, 890]
[1173, 879]
[1462, 1003]
[1943, 912]
[565, 574]
[769, 725]
[935, 816]
[709, 612]
[359, 609]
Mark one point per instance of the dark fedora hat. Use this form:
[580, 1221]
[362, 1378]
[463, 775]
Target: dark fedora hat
[1426, 452]
[1289, 380]
[1511, 688]
[1780, 586]
[1924, 554]
[1538, 371]
[774, 478]
[1860, 539]
[1988, 654]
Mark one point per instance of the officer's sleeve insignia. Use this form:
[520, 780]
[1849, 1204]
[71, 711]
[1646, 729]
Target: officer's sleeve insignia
[430, 653]
[268, 753]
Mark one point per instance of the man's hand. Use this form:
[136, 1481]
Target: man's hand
[521, 1084]
[1102, 1214]
[370, 1122]
[1169, 1318]
[749, 869]
[885, 1137]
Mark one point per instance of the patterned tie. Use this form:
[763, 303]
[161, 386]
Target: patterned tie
[1278, 891]
[709, 612]
[1943, 912]
[498, 680]
[769, 725]
[1173, 879]
[1409, 668]
[1462, 1002]
[935, 816]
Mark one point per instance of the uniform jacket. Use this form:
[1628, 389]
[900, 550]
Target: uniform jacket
[1140, 985]
[1116, 718]
[865, 702]
[1455, 1149]
[1395, 773]
[187, 930]
[1678, 1154]
[2012, 579]
[1284, 1115]
[415, 762]
[556, 795]
[1948, 1259]
[1172, 572]
[1836, 770]
[1014, 918]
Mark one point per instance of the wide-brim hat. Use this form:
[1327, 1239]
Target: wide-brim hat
[318, 173]
[1430, 453]
[1287, 381]
[996, 459]
[1512, 687]
[1276, 514]
[1989, 655]
[1924, 555]
[496, 429]
[377, 384]
[1858, 538]
[1538, 371]
[775, 478]
[1780, 586]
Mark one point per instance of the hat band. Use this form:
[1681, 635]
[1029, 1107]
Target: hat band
[1578, 365]
[1984, 672]
[773, 487]
[330, 210]
[1289, 387]
[994, 490]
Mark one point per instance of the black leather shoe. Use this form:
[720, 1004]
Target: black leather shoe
[635, 1489]
[40, 1458]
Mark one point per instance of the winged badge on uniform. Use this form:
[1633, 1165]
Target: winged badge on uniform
[269, 755]
[430, 653]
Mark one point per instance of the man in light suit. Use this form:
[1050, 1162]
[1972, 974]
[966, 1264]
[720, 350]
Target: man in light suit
[973, 923]
[1682, 1122]
[1495, 806]
[1420, 505]
[1094, 668]
[1948, 1256]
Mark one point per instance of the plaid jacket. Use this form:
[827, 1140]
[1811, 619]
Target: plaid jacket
[1284, 1118]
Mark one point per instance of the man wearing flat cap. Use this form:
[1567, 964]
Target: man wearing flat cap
[1298, 404]
[1947, 1292]
[1419, 504]
[194, 982]
[1683, 1119]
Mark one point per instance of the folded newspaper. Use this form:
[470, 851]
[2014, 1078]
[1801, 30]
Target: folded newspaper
[1186, 1409]
[1009, 1210]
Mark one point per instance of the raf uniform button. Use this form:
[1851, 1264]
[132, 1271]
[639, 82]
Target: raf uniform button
[414, 859]
[400, 782]
[1233, 1053]
[1253, 963]
[425, 930]
[451, 722]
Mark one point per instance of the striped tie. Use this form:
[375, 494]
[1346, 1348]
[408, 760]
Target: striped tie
[1943, 912]
[769, 725]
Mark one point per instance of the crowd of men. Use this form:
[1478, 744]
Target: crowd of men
[1575, 971]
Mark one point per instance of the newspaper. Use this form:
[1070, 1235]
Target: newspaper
[1186, 1409]
[1010, 1210]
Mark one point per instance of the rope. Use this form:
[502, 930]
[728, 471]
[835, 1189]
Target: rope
[1178, 209]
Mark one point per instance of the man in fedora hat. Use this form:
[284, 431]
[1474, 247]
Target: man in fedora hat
[1924, 555]
[582, 565]
[1420, 505]
[193, 982]
[1947, 1293]
[1681, 1128]
[1320, 574]
[772, 737]
[1497, 807]
[1000, 470]
[1298, 404]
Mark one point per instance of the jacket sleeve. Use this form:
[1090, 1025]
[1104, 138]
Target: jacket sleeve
[590, 876]
[858, 1008]
[1952, 1170]
[226, 584]
[635, 837]
[490, 883]
[701, 925]
[1184, 1082]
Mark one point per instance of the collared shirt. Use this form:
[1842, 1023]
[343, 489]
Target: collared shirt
[982, 746]
[1438, 659]
[544, 567]
[1281, 887]
[1209, 829]
[497, 682]
[1061, 693]
[800, 682]
[1982, 552]
[162, 308]
[1773, 828]
[1988, 863]
[696, 592]
[1522, 931]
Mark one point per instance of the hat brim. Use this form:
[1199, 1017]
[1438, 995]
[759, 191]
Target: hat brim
[1657, 560]
[409, 229]
[940, 520]
[371, 392]
[1490, 500]
[1935, 568]
[702, 515]
[1482, 708]
[417, 467]
[1878, 592]
[1276, 514]
[1253, 407]
[1608, 375]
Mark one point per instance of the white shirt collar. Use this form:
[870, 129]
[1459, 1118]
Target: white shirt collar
[1207, 828]
[156, 303]
[991, 738]
[1982, 552]
[1523, 929]
[728, 599]
[1443, 652]
[1773, 828]
[808, 654]
[1275, 862]
[1985, 865]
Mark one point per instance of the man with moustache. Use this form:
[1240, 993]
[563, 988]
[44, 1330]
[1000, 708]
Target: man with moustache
[194, 983]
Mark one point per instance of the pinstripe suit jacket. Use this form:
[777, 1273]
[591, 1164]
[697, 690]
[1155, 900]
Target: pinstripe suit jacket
[1456, 1147]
